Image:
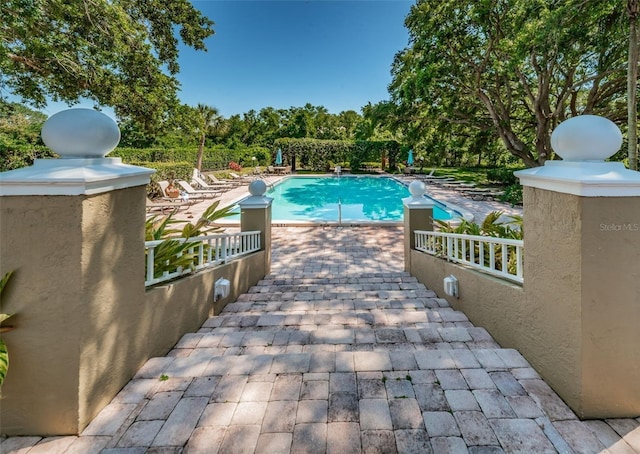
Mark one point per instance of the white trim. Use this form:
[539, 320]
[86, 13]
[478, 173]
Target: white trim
[254, 201]
[417, 203]
[583, 178]
[73, 177]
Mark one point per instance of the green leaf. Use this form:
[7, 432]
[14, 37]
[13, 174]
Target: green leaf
[4, 281]
[4, 361]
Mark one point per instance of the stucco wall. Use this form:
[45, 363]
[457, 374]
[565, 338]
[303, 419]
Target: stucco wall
[84, 322]
[491, 303]
[552, 284]
[577, 317]
[611, 306]
[35, 235]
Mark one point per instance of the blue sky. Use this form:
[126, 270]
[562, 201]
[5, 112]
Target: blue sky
[265, 53]
[286, 53]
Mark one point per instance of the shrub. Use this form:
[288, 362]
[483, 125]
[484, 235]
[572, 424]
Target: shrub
[491, 226]
[512, 194]
[18, 156]
[235, 166]
[502, 175]
[173, 254]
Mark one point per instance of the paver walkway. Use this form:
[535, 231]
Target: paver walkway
[339, 351]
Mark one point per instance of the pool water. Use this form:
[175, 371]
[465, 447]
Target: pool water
[354, 199]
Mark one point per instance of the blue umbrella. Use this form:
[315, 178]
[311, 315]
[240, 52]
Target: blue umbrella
[279, 157]
[410, 158]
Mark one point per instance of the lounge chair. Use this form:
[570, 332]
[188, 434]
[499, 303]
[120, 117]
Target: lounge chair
[240, 178]
[271, 169]
[209, 180]
[166, 206]
[427, 175]
[163, 186]
[191, 192]
[233, 182]
[202, 184]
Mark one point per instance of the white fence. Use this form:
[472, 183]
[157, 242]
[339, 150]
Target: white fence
[175, 257]
[484, 253]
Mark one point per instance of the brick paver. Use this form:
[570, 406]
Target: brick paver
[338, 350]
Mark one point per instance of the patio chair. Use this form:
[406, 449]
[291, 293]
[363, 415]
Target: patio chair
[209, 178]
[271, 169]
[164, 184]
[240, 178]
[202, 184]
[166, 206]
[217, 181]
[427, 176]
[191, 192]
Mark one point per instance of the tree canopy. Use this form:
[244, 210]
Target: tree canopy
[119, 53]
[515, 68]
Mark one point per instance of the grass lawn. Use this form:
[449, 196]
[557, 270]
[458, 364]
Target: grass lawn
[477, 175]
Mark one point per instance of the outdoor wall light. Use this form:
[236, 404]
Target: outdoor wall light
[451, 286]
[221, 289]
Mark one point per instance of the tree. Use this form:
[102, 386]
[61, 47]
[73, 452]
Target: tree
[119, 53]
[20, 125]
[208, 119]
[632, 83]
[518, 67]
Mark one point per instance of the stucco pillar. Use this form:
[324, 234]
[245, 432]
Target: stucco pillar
[255, 214]
[581, 273]
[72, 230]
[418, 215]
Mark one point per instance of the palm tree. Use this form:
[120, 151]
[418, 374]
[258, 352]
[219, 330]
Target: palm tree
[632, 81]
[208, 119]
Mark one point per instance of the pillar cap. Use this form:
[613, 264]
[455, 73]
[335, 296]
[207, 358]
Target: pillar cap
[584, 142]
[417, 200]
[257, 189]
[80, 133]
[82, 137]
[73, 177]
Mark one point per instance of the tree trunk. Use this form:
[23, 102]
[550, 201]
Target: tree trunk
[200, 152]
[507, 136]
[632, 85]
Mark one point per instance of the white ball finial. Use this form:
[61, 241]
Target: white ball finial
[257, 188]
[81, 133]
[586, 138]
[417, 189]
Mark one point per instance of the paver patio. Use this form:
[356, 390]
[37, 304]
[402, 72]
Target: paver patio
[338, 350]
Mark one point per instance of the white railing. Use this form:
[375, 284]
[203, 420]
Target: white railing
[205, 251]
[484, 253]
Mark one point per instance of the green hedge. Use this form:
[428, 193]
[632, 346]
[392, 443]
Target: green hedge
[18, 156]
[215, 158]
[165, 171]
[318, 155]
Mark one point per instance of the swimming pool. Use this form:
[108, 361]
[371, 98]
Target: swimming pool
[350, 199]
